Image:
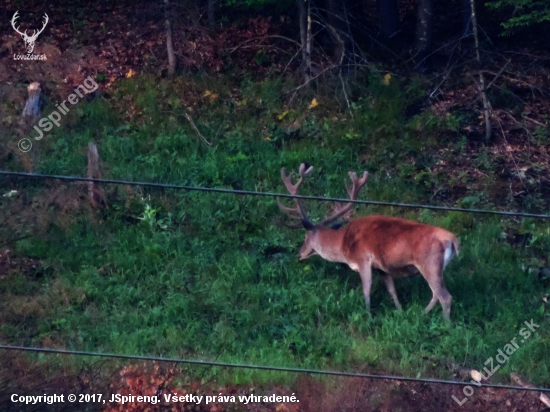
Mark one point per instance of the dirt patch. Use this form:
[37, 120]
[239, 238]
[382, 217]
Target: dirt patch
[327, 395]
[12, 264]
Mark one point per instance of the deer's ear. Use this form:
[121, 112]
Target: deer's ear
[337, 226]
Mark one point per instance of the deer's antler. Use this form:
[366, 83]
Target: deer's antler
[357, 184]
[297, 212]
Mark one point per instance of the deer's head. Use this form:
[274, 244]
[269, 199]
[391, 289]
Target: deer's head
[317, 233]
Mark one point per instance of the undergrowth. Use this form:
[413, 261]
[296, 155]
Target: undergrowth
[215, 276]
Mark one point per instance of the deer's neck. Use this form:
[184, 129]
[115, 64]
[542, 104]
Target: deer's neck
[329, 244]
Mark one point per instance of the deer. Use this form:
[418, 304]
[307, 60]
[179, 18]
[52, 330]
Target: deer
[396, 247]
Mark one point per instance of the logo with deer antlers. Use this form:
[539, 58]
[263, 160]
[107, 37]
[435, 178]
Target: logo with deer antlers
[29, 40]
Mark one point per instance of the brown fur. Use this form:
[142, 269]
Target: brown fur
[397, 247]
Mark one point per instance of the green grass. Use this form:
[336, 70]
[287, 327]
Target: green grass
[215, 276]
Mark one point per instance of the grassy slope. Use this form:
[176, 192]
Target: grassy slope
[215, 276]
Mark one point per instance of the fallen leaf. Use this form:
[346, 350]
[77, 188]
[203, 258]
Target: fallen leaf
[283, 115]
[210, 96]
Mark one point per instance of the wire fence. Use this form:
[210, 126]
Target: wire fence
[268, 368]
[270, 194]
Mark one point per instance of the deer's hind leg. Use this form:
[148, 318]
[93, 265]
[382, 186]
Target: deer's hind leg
[433, 273]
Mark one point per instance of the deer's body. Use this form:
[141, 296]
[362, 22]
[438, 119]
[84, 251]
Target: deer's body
[389, 243]
[395, 246]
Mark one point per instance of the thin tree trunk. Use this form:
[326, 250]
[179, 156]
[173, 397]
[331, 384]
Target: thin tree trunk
[169, 44]
[304, 39]
[465, 13]
[423, 28]
[308, 41]
[339, 27]
[486, 103]
[212, 13]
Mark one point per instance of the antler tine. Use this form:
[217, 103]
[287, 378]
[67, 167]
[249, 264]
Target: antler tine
[353, 191]
[288, 182]
[304, 170]
[357, 184]
[298, 225]
[13, 20]
[298, 211]
[288, 210]
[46, 20]
[35, 32]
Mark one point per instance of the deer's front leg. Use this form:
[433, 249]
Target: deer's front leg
[366, 278]
[391, 288]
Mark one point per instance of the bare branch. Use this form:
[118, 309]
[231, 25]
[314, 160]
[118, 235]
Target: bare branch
[274, 36]
[201, 137]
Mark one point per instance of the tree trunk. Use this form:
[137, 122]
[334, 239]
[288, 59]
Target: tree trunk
[169, 44]
[31, 111]
[212, 13]
[466, 16]
[424, 20]
[305, 41]
[339, 27]
[308, 39]
[482, 88]
[389, 17]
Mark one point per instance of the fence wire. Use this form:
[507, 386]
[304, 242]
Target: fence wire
[269, 368]
[270, 194]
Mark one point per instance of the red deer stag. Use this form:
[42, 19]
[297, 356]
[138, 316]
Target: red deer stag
[397, 247]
